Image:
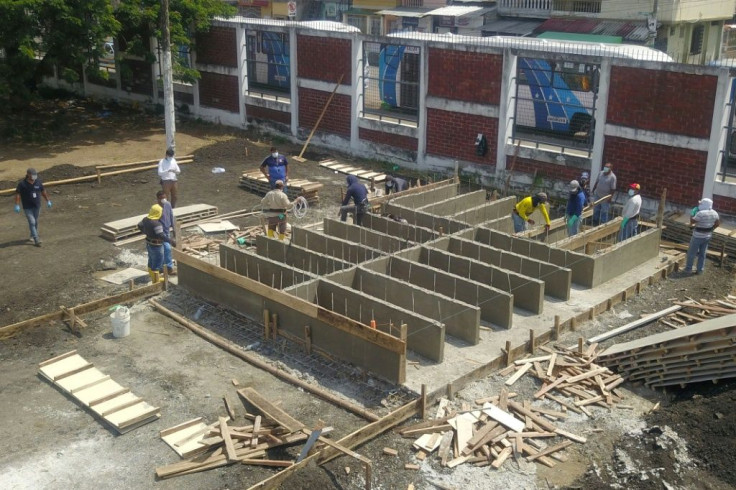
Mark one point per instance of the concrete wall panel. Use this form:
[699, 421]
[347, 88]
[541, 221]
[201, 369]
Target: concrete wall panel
[299, 257]
[426, 220]
[487, 211]
[331, 246]
[405, 231]
[455, 205]
[626, 255]
[262, 269]
[413, 201]
[364, 236]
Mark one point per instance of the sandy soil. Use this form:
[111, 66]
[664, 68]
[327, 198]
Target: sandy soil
[687, 443]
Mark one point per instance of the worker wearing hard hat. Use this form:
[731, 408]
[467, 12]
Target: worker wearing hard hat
[630, 214]
[526, 207]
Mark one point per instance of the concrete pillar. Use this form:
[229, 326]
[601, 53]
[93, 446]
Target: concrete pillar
[506, 109]
[294, 81]
[241, 51]
[601, 111]
[718, 137]
[422, 114]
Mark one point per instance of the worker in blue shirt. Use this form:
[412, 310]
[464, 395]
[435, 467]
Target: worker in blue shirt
[359, 194]
[275, 167]
[575, 205]
[29, 192]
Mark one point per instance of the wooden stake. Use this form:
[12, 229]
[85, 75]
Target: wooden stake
[423, 410]
[275, 326]
[308, 339]
[557, 327]
[581, 341]
[508, 353]
[266, 325]
[531, 341]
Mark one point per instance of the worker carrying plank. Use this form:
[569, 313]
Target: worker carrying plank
[274, 207]
[526, 207]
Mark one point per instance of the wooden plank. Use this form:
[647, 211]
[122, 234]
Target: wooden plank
[502, 456]
[518, 374]
[635, 324]
[533, 359]
[549, 450]
[464, 432]
[184, 425]
[571, 436]
[256, 428]
[504, 418]
[225, 434]
[145, 413]
[271, 411]
[586, 375]
[57, 358]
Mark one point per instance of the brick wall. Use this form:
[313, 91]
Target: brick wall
[263, 113]
[219, 91]
[218, 47]
[396, 140]
[451, 134]
[724, 205]
[655, 167]
[324, 58]
[336, 119]
[659, 100]
[461, 75]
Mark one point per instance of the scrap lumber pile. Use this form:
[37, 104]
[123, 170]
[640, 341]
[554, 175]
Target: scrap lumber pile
[353, 170]
[128, 227]
[692, 311]
[255, 181]
[677, 229]
[699, 352]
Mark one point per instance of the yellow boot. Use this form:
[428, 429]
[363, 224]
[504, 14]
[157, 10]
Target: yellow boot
[271, 234]
[152, 275]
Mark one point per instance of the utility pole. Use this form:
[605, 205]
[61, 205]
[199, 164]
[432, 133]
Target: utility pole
[168, 78]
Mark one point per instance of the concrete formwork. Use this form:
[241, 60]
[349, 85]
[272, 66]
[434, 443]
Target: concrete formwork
[581, 242]
[425, 220]
[504, 224]
[496, 306]
[398, 229]
[365, 236]
[461, 320]
[489, 211]
[299, 257]
[528, 292]
[423, 198]
[425, 336]
[262, 269]
[455, 205]
[331, 246]
[557, 280]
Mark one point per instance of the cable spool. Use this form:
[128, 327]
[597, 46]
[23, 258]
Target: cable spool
[301, 206]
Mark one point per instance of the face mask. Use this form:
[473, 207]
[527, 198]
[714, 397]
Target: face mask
[606, 170]
[163, 201]
[631, 192]
[275, 154]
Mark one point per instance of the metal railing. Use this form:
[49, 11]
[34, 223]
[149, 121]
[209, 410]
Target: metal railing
[577, 6]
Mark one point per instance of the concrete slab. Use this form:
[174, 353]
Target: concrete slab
[299, 257]
[334, 247]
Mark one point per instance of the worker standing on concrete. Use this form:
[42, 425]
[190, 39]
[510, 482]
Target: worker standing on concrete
[526, 207]
[274, 207]
[168, 222]
[28, 193]
[704, 222]
[275, 167]
[359, 194]
[575, 205]
[152, 228]
[630, 223]
[584, 181]
[605, 186]
[395, 184]
[168, 171]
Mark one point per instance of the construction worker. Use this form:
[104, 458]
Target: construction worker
[168, 222]
[395, 184]
[527, 206]
[605, 186]
[152, 228]
[275, 167]
[703, 222]
[274, 207]
[630, 223]
[575, 205]
[584, 181]
[168, 171]
[359, 194]
[28, 193]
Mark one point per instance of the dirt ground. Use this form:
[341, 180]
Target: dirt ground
[687, 443]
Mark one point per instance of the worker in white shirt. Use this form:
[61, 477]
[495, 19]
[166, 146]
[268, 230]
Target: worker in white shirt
[168, 171]
[630, 224]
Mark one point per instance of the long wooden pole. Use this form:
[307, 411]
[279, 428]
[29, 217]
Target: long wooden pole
[223, 344]
[319, 120]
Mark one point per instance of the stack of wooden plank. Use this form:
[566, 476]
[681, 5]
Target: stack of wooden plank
[702, 351]
[255, 181]
[346, 169]
[677, 229]
[697, 311]
[128, 227]
[94, 390]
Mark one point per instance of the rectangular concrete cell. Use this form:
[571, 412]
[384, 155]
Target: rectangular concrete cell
[455, 205]
[426, 220]
[461, 319]
[490, 211]
[218, 291]
[262, 269]
[626, 255]
[405, 231]
[364, 236]
[299, 257]
[528, 292]
[331, 246]
[413, 201]
[557, 280]
[425, 335]
[496, 306]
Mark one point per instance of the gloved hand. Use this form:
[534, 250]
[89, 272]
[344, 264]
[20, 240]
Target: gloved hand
[546, 227]
[623, 223]
[572, 220]
[16, 208]
[694, 211]
[282, 216]
[48, 204]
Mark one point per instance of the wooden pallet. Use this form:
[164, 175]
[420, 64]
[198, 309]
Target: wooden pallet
[255, 181]
[97, 392]
[128, 227]
[677, 229]
[353, 170]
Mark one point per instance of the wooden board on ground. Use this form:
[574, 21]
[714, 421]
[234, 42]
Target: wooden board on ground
[91, 388]
[124, 276]
[128, 227]
[185, 438]
[269, 410]
[353, 170]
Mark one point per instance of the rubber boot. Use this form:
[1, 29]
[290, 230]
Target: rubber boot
[282, 236]
[152, 275]
[271, 234]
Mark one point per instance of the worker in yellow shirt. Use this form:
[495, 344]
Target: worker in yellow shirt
[527, 206]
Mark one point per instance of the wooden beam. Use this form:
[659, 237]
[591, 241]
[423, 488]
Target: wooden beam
[593, 235]
[635, 324]
[270, 410]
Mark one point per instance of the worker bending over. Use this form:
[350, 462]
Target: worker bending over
[526, 207]
[274, 207]
[359, 194]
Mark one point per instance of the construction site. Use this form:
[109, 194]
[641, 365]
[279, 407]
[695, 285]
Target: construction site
[431, 347]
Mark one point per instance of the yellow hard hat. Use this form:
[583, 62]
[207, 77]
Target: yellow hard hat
[155, 212]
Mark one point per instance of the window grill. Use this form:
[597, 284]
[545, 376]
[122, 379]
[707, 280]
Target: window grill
[391, 82]
[268, 63]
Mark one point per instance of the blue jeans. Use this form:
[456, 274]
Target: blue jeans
[630, 230]
[168, 259]
[698, 248]
[155, 257]
[32, 217]
[519, 223]
[602, 213]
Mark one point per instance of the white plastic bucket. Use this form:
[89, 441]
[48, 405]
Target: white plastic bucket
[120, 319]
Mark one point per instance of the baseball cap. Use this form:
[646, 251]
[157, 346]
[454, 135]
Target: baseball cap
[279, 183]
[574, 184]
[635, 186]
